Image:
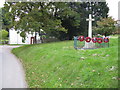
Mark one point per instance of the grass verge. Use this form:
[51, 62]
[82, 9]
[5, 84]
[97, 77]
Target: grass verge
[59, 65]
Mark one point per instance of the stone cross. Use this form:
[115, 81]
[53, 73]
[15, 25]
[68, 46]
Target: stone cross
[90, 25]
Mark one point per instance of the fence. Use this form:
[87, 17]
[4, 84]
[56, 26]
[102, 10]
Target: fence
[81, 42]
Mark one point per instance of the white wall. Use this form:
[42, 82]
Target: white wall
[15, 38]
[118, 22]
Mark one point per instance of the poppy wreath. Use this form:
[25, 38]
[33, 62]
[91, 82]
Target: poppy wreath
[99, 40]
[94, 40]
[88, 39]
[106, 40]
[81, 38]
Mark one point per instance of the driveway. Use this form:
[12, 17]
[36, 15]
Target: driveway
[12, 71]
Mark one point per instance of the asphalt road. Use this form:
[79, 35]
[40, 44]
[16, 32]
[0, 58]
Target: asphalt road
[12, 70]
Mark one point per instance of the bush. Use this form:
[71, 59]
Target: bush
[3, 37]
[106, 26]
[3, 34]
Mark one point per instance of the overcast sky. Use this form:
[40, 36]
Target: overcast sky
[112, 4]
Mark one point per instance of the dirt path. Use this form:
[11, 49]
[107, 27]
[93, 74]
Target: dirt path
[12, 71]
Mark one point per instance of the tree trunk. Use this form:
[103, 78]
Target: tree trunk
[41, 39]
[35, 40]
[105, 34]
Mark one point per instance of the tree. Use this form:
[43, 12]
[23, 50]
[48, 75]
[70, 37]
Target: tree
[60, 19]
[0, 18]
[5, 21]
[98, 10]
[76, 24]
[105, 26]
[32, 16]
[69, 18]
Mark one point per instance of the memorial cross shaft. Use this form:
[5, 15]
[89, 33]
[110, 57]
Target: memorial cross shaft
[90, 25]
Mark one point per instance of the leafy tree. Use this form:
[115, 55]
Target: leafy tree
[5, 21]
[0, 18]
[32, 16]
[69, 18]
[105, 26]
[61, 19]
[98, 10]
[76, 23]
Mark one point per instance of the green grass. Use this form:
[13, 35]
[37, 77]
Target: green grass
[13, 44]
[16, 44]
[59, 65]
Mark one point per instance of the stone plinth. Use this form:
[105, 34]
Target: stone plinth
[89, 45]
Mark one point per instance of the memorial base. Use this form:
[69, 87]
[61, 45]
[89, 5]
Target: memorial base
[89, 45]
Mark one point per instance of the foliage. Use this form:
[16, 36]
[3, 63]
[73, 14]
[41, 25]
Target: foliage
[76, 24]
[59, 65]
[105, 26]
[0, 15]
[97, 10]
[34, 16]
[60, 19]
[3, 34]
[6, 21]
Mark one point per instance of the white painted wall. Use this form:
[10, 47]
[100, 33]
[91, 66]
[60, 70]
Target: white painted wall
[15, 38]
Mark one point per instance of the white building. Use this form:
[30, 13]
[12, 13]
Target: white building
[15, 38]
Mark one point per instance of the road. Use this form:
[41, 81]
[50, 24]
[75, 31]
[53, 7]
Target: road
[12, 70]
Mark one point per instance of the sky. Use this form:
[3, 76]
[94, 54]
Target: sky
[112, 4]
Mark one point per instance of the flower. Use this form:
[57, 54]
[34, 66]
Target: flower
[71, 83]
[93, 70]
[82, 58]
[114, 77]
